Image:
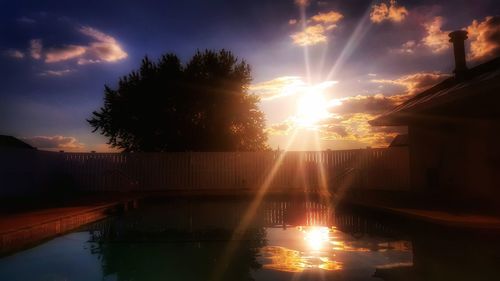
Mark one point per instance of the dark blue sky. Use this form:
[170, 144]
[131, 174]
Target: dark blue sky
[56, 56]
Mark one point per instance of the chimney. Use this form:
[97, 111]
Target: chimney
[457, 38]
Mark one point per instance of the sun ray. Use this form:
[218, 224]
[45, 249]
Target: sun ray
[323, 177]
[251, 211]
[359, 33]
[321, 65]
[303, 20]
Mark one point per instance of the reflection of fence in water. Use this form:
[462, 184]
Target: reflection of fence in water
[311, 213]
[198, 217]
[296, 213]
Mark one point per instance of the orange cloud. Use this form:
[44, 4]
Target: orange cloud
[36, 48]
[106, 148]
[436, 39]
[373, 104]
[64, 53]
[311, 35]
[104, 48]
[355, 127]
[278, 87]
[485, 38]
[331, 17]
[285, 86]
[391, 12]
[348, 116]
[55, 143]
[280, 129]
[349, 121]
[415, 82]
[409, 47]
[317, 33]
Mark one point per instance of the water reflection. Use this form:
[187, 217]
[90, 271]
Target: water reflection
[316, 254]
[287, 240]
[285, 237]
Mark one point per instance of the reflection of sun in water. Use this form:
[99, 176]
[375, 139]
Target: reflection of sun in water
[316, 253]
[316, 237]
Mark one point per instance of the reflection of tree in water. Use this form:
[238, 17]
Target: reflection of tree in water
[176, 255]
[139, 247]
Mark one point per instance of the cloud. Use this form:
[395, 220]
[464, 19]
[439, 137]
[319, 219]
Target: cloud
[104, 147]
[372, 104]
[334, 131]
[26, 20]
[15, 54]
[64, 53]
[485, 38]
[103, 48]
[355, 127]
[347, 118]
[292, 21]
[343, 127]
[278, 87]
[317, 33]
[57, 73]
[409, 47]
[415, 82]
[390, 12]
[436, 39]
[280, 129]
[302, 3]
[55, 143]
[331, 17]
[286, 86]
[311, 35]
[36, 48]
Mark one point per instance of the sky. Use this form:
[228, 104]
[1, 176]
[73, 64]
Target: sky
[321, 68]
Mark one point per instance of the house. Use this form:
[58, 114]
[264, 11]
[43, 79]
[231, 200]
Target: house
[400, 140]
[454, 131]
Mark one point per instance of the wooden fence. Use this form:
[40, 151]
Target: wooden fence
[27, 171]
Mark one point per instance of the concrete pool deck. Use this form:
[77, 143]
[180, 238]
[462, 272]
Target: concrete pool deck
[464, 220]
[23, 229]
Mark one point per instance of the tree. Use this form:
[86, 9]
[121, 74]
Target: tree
[166, 106]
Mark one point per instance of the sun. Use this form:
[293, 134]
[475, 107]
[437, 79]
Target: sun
[312, 107]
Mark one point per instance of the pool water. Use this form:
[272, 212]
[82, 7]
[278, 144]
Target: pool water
[281, 240]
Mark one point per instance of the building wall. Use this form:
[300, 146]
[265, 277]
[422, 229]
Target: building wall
[461, 158]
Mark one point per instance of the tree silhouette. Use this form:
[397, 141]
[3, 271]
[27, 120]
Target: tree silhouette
[166, 106]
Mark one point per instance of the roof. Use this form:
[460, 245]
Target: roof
[12, 142]
[484, 78]
[400, 140]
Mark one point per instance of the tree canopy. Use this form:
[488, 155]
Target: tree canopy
[203, 105]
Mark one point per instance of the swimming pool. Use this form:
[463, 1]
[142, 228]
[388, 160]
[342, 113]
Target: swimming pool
[199, 239]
